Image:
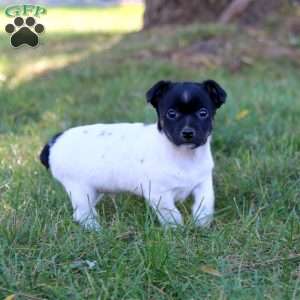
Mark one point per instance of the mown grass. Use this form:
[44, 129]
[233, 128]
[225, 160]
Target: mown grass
[252, 250]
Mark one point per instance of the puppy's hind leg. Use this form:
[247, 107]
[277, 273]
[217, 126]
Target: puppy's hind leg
[84, 200]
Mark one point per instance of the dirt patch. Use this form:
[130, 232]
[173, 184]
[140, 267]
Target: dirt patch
[234, 53]
[236, 49]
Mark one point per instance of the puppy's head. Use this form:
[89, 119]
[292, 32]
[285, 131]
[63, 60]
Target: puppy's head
[186, 110]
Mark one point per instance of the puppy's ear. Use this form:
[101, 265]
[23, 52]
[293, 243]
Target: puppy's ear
[215, 91]
[157, 91]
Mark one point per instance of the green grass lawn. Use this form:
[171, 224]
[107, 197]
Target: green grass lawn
[92, 74]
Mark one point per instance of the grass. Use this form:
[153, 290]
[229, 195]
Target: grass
[252, 250]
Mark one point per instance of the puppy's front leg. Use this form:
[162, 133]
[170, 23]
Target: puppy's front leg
[167, 212]
[203, 208]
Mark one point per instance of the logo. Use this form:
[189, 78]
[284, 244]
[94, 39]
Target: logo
[25, 29]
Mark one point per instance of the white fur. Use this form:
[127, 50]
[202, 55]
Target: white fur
[95, 159]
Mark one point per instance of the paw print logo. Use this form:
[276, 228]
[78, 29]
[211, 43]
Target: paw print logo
[24, 32]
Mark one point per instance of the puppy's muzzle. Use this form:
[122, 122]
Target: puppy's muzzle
[187, 134]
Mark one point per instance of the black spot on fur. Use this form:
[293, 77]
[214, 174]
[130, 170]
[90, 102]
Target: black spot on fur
[44, 155]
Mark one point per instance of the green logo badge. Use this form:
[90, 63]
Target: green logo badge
[25, 30]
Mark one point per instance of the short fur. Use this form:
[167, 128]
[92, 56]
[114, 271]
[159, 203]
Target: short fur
[164, 163]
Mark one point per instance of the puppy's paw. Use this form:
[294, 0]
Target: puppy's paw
[204, 221]
[171, 226]
[91, 224]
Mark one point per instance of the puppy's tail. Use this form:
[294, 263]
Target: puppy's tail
[44, 155]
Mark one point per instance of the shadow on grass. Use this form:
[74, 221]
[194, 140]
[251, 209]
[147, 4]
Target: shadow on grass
[51, 79]
[88, 77]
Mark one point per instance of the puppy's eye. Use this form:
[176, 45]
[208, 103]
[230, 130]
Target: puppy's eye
[172, 114]
[202, 113]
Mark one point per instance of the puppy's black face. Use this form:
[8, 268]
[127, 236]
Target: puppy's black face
[186, 110]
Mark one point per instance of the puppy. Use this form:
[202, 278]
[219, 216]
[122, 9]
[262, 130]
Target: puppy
[164, 162]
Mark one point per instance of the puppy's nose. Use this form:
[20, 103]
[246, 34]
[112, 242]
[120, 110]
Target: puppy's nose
[188, 133]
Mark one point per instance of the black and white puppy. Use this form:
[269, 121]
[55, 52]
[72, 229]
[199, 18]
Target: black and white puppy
[164, 162]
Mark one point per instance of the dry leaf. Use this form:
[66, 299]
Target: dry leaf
[211, 271]
[242, 114]
[10, 297]
[81, 264]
